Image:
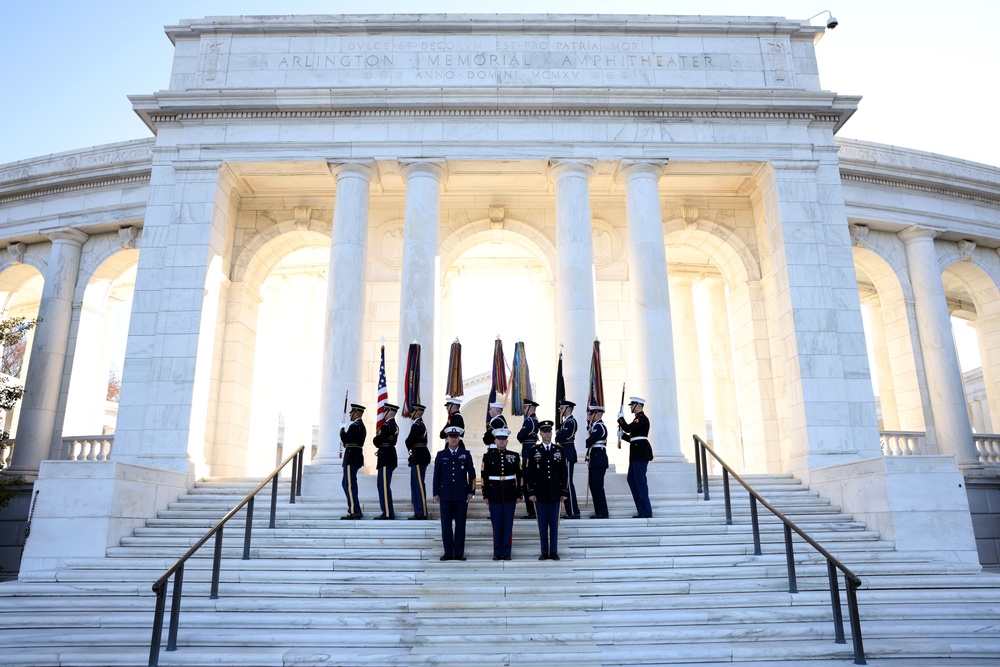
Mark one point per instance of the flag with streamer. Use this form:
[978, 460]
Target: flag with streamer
[411, 389]
[560, 390]
[596, 393]
[520, 380]
[499, 382]
[456, 386]
[383, 391]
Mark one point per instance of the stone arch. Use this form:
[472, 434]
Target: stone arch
[104, 258]
[479, 232]
[261, 252]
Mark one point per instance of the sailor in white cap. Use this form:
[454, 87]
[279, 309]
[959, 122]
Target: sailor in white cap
[455, 418]
[454, 486]
[640, 453]
[597, 459]
[501, 472]
[494, 420]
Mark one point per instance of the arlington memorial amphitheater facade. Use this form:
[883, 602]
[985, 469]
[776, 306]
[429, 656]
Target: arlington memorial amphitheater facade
[672, 186]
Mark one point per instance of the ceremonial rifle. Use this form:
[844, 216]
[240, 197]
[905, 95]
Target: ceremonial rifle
[340, 452]
[621, 409]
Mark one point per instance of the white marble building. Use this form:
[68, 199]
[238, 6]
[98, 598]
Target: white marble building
[677, 187]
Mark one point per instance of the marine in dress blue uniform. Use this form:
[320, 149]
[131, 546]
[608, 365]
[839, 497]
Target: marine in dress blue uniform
[494, 421]
[352, 439]
[597, 459]
[640, 453]
[566, 438]
[418, 458]
[386, 460]
[454, 487]
[545, 483]
[501, 472]
[528, 437]
[455, 418]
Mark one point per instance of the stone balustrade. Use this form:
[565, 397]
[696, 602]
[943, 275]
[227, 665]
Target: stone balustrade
[6, 451]
[988, 446]
[88, 447]
[904, 443]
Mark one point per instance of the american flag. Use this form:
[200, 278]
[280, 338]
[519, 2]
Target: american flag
[383, 391]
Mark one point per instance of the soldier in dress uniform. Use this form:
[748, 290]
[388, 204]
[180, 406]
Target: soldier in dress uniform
[454, 486]
[501, 471]
[455, 418]
[640, 453]
[386, 460]
[545, 485]
[597, 459]
[494, 420]
[419, 457]
[528, 437]
[352, 439]
[566, 438]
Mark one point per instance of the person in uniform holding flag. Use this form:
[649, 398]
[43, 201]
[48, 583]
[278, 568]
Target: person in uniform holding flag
[455, 418]
[528, 437]
[385, 460]
[501, 471]
[494, 421]
[545, 485]
[597, 459]
[640, 453]
[566, 438]
[454, 487]
[352, 438]
[419, 457]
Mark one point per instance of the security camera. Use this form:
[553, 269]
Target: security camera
[832, 23]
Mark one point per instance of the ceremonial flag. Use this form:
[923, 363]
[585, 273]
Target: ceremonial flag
[596, 393]
[411, 389]
[456, 386]
[383, 391]
[560, 390]
[498, 384]
[520, 381]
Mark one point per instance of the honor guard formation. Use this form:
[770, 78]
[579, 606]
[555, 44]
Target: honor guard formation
[541, 474]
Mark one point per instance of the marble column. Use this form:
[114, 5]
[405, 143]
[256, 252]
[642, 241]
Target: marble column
[988, 335]
[944, 377]
[345, 304]
[577, 326]
[36, 426]
[656, 378]
[725, 414]
[687, 358]
[883, 367]
[420, 281]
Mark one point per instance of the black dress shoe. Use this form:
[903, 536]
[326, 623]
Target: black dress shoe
[529, 516]
[505, 557]
[446, 558]
[381, 518]
[553, 556]
[543, 557]
[598, 516]
[642, 516]
[350, 517]
[415, 518]
[498, 558]
[459, 558]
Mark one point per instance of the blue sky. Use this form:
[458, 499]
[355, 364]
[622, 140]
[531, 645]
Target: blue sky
[927, 71]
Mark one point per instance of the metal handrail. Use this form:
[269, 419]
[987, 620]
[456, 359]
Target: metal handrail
[177, 570]
[852, 581]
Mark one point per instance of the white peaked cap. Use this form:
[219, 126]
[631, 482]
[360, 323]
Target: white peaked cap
[637, 399]
[453, 401]
[496, 405]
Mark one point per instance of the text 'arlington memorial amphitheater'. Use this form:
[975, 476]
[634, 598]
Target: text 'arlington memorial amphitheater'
[317, 188]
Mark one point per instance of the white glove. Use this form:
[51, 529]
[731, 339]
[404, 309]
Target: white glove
[620, 433]
[343, 426]
[621, 414]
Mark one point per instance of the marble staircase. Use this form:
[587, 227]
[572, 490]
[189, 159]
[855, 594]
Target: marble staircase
[680, 588]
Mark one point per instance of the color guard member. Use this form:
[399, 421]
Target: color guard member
[640, 453]
[454, 486]
[501, 471]
[352, 438]
[528, 437]
[597, 459]
[545, 484]
[455, 418]
[566, 438]
[418, 459]
[386, 460]
[494, 421]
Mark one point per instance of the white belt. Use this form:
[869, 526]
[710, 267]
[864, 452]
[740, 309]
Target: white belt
[598, 446]
[638, 437]
[501, 478]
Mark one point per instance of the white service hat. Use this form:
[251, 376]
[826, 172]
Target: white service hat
[637, 399]
[501, 433]
[496, 405]
[454, 430]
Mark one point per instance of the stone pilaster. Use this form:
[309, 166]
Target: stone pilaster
[883, 368]
[725, 415]
[687, 358]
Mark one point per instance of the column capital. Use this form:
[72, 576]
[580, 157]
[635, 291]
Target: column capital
[67, 234]
[361, 169]
[435, 168]
[629, 169]
[914, 232]
[560, 168]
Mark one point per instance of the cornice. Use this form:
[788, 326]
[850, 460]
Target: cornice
[887, 182]
[90, 185]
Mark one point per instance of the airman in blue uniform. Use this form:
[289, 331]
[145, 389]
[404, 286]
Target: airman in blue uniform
[419, 457]
[352, 439]
[386, 460]
[454, 487]
[545, 484]
[597, 459]
[566, 438]
[501, 471]
[640, 453]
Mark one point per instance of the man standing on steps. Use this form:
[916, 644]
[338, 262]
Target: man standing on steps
[501, 471]
[419, 458]
[455, 418]
[640, 453]
[597, 459]
[494, 420]
[454, 486]
[386, 461]
[566, 438]
[545, 484]
[528, 437]
[352, 437]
